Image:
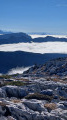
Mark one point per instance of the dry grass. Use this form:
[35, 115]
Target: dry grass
[59, 80]
[2, 103]
[34, 72]
[24, 80]
[16, 100]
[50, 106]
[62, 98]
[39, 96]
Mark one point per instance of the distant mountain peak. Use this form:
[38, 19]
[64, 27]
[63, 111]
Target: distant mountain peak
[5, 32]
[37, 33]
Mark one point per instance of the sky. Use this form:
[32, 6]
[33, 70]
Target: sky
[34, 16]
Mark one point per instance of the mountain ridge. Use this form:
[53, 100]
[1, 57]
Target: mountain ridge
[57, 66]
[9, 60]
[5, 32]
[23, 37]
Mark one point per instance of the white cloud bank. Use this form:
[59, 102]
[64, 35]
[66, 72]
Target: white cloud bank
[57, 36]
[19, 70]
[45, 47]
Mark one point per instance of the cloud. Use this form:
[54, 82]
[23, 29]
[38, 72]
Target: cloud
[44, 47]
[19, 70]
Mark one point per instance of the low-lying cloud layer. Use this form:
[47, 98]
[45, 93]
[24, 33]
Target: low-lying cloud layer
[19, 70]
[45, 47]
[56, 36]
[41, 47]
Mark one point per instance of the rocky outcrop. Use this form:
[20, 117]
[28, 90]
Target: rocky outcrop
[33, 110]
[15, 91]
[54, 67]
[45, 98]
[2, 93]
[41, 100]
[47, 92]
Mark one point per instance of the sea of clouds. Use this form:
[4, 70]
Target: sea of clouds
[56, 36]
[44, 47]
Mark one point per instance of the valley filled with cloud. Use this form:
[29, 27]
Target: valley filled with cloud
[44, 47]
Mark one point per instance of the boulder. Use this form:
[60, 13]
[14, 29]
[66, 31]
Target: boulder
[47, 92]
[2, 93]
[3, 118]
[15, 91]
[34, 105]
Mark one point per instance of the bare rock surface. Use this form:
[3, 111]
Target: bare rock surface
[30, 108]
[45, 98]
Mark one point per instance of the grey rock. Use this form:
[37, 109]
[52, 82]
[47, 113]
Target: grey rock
[34, 105]
[2, 93]
[3, 118]
[15, 91]
[47, 92]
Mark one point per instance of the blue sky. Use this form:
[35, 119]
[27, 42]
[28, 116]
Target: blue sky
[34, 16]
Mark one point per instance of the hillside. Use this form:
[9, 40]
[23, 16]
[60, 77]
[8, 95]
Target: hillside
[23, 37]
[35, 96]
[9, 60]
[14, 38]
[49, 39]
[53, 67]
